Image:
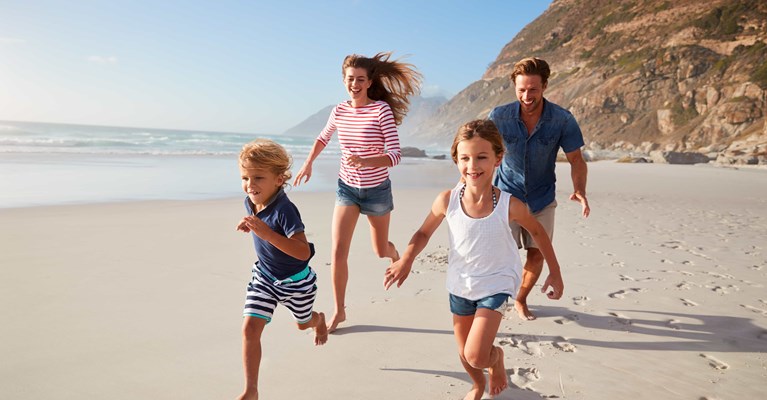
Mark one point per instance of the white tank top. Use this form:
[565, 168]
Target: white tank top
[483, 258]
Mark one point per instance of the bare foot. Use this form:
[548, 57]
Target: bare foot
[248, 396]
[498, 379]
[337, 319]
[320, 331]
[523, 311]
[475, 394]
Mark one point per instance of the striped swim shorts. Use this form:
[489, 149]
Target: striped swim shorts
[297, 293]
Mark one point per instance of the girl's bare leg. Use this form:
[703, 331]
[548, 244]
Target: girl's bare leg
[344, 221]
[480, 352]
[461, 329]
[379, 235]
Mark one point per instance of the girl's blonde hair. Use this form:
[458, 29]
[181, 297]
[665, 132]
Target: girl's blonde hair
[267, 154]
[392, 81]
[482, 128]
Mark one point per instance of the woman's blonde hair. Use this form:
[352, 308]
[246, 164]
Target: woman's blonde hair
[392, 81]
[483, 128]
[267, 154]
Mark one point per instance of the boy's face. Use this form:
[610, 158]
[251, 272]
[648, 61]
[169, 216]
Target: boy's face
[260, 184]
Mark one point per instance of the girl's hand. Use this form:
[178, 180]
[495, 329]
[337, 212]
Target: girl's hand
[305, 172]
[397, 272]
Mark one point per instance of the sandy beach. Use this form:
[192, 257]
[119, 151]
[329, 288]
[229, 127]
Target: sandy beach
[664, 298]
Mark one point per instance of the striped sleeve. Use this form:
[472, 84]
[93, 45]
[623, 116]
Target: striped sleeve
[330, 127]
[389, 131]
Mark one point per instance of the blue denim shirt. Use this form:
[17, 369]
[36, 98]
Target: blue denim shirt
[527, 169]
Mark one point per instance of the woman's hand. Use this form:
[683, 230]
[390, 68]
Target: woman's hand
[305, 172]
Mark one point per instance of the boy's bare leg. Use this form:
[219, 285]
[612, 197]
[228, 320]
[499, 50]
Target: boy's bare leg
[252, 328]
[461, 328]
[320, 329]
[344, 221]
[530, 275]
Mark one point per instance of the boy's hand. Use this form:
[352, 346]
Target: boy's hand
[397, 272]
[255, 225]
[242, 227]
[557, 286]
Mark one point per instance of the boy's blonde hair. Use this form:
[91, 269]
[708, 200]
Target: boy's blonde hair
[267, 154]
[483, 128]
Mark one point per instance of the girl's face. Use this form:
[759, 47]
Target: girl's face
[357, 83]
[260, 184]
[476, 161]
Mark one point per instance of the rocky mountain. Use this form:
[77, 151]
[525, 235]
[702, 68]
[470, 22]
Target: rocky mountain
[421, 108]
[640, 76]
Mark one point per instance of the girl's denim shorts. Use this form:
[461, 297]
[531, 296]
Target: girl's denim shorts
[375, 201]
[463, 307]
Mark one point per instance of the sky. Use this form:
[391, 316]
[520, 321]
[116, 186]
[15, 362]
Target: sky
[236, 66]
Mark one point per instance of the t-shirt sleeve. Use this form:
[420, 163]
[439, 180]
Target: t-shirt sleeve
[330, 127]
[572, 138]
[290, 219]
[248, 207]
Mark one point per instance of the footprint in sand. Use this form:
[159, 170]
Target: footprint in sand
[563, 345]
[754, 309]
[528, 344]
[618, 264]
[714, 363]
[621, 294]
[580, 300]
[621, 319]
[673, 324]
[566, 319]
[523, 378]
[422, 291]
[724, 289]
[718, 275]
[689, 303]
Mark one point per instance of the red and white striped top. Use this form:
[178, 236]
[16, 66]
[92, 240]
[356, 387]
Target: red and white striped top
[367, 132]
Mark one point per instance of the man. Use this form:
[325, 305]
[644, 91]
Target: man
[533, 130]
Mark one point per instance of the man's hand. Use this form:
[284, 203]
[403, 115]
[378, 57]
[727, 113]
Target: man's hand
[581, 198]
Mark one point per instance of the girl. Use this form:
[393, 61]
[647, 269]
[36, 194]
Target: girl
[282, 273]
[367, 131]
[484, 267]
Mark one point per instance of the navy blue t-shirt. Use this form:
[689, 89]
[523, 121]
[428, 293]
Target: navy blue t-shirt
[282, 216]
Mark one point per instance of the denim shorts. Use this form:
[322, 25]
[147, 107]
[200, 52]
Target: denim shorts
[464, 307]
[375, 201]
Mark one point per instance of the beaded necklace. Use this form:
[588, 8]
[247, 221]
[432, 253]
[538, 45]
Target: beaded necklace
[492, 189]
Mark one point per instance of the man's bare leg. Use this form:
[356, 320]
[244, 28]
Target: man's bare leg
[530, 275]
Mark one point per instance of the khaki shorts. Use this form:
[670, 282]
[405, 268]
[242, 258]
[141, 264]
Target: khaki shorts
[546, 219]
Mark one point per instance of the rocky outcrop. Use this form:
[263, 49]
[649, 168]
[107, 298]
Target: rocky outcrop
[656, 75]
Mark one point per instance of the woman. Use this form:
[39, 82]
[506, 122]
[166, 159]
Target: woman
[378, 89]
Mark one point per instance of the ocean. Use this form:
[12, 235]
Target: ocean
[52, 164]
